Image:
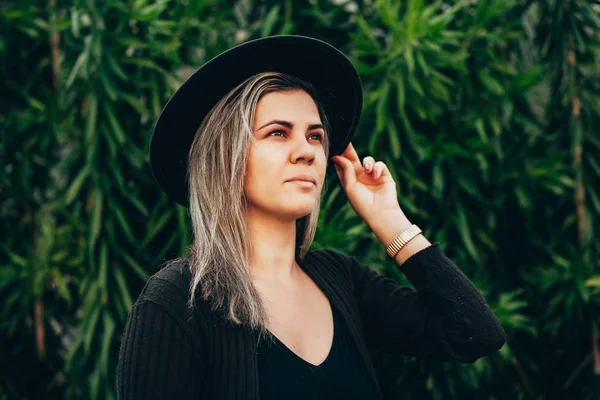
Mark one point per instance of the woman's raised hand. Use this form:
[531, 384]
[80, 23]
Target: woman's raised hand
[369, 186]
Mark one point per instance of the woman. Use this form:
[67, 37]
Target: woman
[250, 312]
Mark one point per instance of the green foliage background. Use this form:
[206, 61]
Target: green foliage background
[484, 111]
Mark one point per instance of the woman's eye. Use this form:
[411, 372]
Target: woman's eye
[319, 136]
[275, 132]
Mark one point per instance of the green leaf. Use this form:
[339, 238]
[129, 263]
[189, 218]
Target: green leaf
[416, 86]
[7, 277]
[365, 29]
[594, 281]
[382, 107]
[415, 7]
[400, 93]
[122, 285]
[137, 203]
[116, 69]
[155, 228]
[108, 88]
[490, 82]
[410, 61]
[103, 271]
[96, 217]
[123, 223]
[81, 60]
[90, 328]
[438, 181]
[394, 139]
[75, 27]
[270, 20]
[465, 233]
[92, 114]
[14, 257]
[94, 383]
[144, 276]
[76, 185]
[134, 102]
[422, 63]
[107, 338]
[115, 126]
[479, 127]
[527, 79]
[145, 63]
[151, 12]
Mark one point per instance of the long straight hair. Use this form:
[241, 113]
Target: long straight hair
[218, 254]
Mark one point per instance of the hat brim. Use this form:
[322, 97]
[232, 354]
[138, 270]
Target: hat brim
[329, 70]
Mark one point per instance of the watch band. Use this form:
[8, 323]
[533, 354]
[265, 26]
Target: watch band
[402, 239]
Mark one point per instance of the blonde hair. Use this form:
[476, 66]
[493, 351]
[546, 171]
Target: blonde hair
[218, 254]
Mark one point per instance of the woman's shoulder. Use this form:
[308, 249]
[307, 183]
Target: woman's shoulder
[338, 263]
[331, 257]
[331, 264]
[171, 282]
[163, 306]
[169, 290]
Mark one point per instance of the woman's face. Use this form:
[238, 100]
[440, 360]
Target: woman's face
[289, 138]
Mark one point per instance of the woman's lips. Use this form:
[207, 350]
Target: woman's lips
[306, 184]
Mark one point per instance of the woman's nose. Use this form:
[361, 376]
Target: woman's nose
[303, 149]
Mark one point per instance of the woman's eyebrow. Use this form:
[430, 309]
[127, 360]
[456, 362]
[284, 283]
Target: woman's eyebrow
[289, 124]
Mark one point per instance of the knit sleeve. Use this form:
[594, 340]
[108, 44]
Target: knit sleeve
[446, 318]
[157, 359]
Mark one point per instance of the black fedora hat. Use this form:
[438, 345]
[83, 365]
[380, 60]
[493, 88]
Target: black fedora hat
[329, 70]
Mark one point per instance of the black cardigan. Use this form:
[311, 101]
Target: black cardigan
[170, 352]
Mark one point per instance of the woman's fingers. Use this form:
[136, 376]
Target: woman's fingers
[351, 154]
[368, 163]
[378, 169]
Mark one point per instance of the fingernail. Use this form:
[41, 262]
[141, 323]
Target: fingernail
[367, 166]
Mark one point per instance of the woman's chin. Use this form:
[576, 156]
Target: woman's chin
[302, 210]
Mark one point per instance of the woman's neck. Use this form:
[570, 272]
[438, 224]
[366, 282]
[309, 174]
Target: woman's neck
[273, 246]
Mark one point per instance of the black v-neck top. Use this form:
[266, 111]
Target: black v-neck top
[169, 351]
[282, 374]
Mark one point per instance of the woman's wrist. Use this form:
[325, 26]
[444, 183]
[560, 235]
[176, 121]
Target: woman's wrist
[388, 226]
